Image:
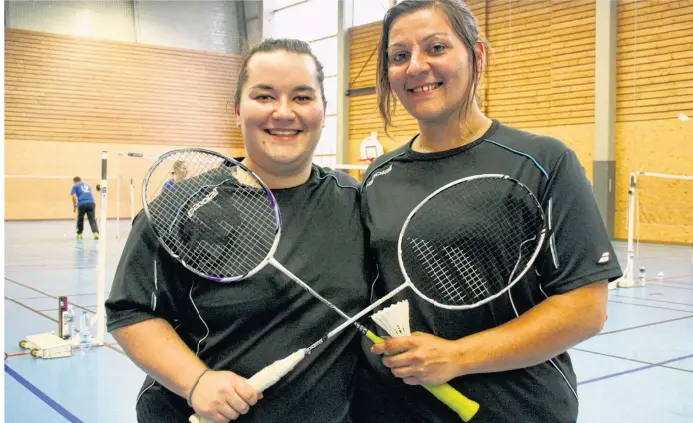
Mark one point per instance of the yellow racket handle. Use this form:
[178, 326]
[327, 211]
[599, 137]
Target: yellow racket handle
[448, 395]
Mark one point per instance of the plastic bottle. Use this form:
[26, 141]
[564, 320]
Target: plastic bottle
[84, 334]
[642, 278]
[70, 323]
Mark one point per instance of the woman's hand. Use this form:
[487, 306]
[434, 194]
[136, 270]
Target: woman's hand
[421, 358]
[222, 396]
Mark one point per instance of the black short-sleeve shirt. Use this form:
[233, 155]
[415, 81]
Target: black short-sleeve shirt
[579, 252]
[246, 325]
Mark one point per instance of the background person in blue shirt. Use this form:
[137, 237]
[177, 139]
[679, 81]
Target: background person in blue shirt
[83, 202]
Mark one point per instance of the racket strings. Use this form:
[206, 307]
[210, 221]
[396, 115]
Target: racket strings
[219, 220]
[254, 223]
[468, 242]
[248, 233]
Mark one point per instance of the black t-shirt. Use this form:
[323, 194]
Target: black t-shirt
[246, 325]
[578, 253]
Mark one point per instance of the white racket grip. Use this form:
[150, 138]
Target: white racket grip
[275, 371]
[267, 376]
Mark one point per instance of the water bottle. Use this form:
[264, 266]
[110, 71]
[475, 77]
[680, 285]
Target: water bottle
[84, 335]
[70, 323]
[642, 278]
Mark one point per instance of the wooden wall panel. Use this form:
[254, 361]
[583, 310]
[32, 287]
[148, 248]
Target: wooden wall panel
[64, 88]
[654, 85]
[68, 98]
[363, 55]
[47, 169]
[541, 70]
[654, 61]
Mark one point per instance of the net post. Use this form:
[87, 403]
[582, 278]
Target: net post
[628, 279]
[631, 275]
[100, 316]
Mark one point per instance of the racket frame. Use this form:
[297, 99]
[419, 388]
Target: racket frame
[520, 275]
[225, 161]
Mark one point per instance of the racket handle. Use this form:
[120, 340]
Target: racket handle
[275, 371]
[448, 395]
[266, 377]
[451, 397]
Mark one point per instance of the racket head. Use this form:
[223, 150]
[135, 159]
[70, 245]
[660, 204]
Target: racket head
[220, 221]
[471, 240]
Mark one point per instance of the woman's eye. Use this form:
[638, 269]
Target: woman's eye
[263, 97]
[398, 57]
[438, 48]
[303, 98]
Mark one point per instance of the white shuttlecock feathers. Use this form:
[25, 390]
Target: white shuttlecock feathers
[394, 319]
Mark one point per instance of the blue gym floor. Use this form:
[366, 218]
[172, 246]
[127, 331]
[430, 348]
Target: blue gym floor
[639, 369]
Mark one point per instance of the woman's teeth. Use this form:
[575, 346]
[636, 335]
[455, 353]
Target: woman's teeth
[282, 132]
[428, 87]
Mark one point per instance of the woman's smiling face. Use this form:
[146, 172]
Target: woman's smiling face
[281, 112]
[428, 65]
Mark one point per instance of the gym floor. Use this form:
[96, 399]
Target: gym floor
[638, 369]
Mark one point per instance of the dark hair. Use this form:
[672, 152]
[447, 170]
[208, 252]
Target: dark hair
[461, 21]
[76, 179]
[271, 45]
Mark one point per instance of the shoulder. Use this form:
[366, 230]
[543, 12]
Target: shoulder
[337, 180]
[380, 164]
[545, 151]
[142, 233]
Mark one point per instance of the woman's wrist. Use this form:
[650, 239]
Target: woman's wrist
[188, 397]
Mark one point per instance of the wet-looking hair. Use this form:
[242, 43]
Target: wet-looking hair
[271, 45]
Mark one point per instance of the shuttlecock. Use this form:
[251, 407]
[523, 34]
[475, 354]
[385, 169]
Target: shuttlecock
[394, 319]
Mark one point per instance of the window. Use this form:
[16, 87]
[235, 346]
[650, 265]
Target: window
[331, 95]
[327, 52]
[367, 11]
[307, 21]
[279, 4]
[328, 140]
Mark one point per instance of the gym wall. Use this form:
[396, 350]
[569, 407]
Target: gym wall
[654, 83]
[540, 78]
[68, 98]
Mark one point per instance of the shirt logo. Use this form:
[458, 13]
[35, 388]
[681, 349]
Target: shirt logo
[209, 197]
[379, 173]
[604, 258]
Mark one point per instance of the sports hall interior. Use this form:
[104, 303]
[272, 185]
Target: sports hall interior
[127, 80]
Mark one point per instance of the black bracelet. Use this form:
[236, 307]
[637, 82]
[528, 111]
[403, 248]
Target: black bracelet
[194, 385]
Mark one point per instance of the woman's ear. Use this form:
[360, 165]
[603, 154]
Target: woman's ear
[480, 53]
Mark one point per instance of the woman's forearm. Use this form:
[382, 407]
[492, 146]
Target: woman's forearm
[157, 349]
[548, 329]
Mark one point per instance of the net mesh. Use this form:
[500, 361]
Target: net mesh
[472, 240]
[212, 214]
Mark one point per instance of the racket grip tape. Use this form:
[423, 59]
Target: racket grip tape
[448, 395]
[267, 376]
